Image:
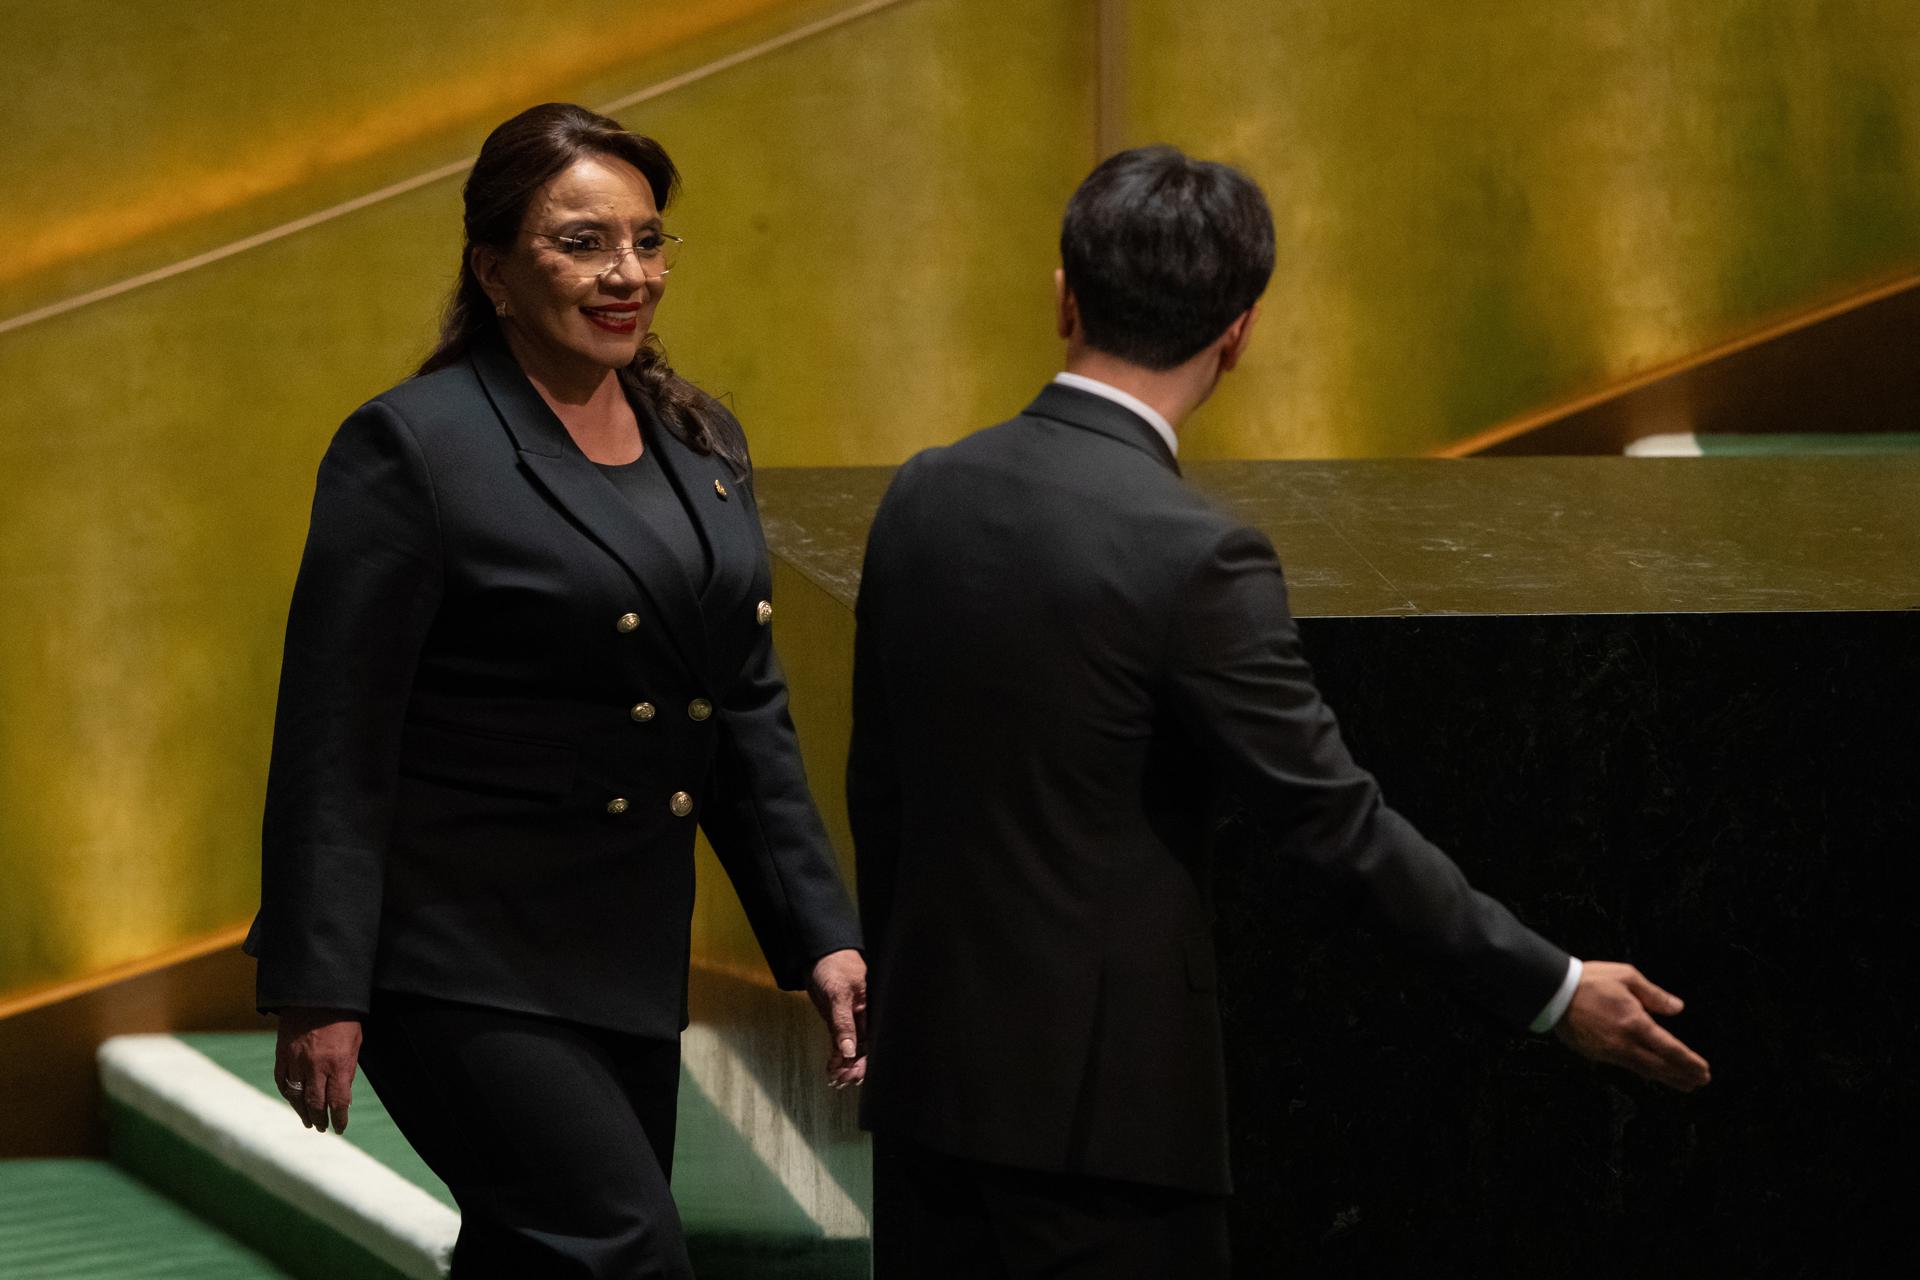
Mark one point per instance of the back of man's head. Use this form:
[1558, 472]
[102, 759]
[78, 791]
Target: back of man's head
[1162, 252]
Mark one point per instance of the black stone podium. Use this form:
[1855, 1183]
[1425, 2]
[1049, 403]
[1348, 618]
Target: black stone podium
[1667, 710]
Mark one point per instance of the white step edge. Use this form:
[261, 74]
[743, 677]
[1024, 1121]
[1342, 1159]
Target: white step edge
[322, 1175]
[1674, 444]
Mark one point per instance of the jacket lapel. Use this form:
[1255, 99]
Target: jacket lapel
[1089, 412]
[721, 506]
[549, 454]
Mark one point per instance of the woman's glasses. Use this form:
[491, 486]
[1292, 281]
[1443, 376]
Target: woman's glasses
[656, 252]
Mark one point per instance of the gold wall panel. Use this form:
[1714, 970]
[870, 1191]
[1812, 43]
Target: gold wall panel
[872, 223]
[148, 131]
[160, 450]
[1493, 205]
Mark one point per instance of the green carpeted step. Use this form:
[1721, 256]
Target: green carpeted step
[1833, 444]
[87, 1220]
[195, 1115]
[248, 1056]
[1726, 444]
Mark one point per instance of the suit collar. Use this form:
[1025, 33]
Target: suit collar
[1089, 412]
[527, 417]
[549, 454]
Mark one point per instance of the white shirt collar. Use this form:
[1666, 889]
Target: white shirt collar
[1093, 386]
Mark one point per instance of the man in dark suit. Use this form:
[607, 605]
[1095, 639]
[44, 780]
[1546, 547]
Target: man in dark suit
[1064, 657]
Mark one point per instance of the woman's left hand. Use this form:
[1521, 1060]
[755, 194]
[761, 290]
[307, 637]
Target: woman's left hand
[839, 990]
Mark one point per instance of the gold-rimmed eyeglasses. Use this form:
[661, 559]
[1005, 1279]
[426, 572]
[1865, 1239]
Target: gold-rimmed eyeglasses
[656, 252]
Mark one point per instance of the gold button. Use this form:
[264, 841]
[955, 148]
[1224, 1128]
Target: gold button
[681, 804]
[699, 708]
[763, 612]
[643, 712]
[617, 806]
[628, 622]
[720, 489]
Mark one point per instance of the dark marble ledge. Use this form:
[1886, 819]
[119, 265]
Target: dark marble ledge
[1411, 537]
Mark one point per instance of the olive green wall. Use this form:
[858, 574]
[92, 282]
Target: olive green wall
[1484, 206]
[1487, 206]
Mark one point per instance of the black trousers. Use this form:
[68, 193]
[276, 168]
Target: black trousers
[555, 1139]
[937, 1217]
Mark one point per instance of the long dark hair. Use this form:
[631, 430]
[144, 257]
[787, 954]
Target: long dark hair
[519, 158]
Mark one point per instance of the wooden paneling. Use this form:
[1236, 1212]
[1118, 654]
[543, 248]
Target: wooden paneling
[47, 1038]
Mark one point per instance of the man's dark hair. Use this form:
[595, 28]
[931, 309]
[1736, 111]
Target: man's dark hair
[1162, 252]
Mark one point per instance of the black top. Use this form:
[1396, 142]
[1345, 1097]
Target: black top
[646, 486]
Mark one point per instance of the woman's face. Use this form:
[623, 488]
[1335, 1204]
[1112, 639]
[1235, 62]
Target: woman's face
[561, 317]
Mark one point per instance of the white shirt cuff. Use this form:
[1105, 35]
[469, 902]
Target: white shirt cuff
[1561, 998]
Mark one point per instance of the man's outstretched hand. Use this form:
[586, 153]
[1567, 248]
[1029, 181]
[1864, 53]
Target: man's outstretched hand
[1611, 1020]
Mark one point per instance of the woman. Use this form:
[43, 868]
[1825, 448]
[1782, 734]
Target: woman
[529, 649]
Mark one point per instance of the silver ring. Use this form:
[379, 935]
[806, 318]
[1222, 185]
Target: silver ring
[298, 1086]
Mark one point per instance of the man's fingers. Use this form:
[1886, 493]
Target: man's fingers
[1654, 997]
[1674, 1057]
[1668, 1045]
[1648, 1050]
[1663, 1070]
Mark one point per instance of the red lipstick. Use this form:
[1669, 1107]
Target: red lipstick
[614, 317]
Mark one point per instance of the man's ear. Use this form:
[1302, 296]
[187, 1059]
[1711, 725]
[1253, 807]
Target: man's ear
[1233, 343]
[1066, 312]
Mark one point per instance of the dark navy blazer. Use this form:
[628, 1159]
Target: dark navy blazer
[503, 708]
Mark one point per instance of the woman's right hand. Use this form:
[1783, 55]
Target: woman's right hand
[314, 1062]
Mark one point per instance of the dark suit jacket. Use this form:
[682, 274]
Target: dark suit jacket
[1064, 657]
[463, 800]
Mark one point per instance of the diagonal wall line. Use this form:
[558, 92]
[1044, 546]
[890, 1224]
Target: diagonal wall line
[772, 44]
[232, 249]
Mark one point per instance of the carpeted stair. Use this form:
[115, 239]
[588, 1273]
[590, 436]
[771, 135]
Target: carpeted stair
[214, 1177]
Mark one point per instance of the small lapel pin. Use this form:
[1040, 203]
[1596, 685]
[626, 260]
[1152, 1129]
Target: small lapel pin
[720, 489]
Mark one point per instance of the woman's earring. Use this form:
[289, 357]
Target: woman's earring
[500, 307]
